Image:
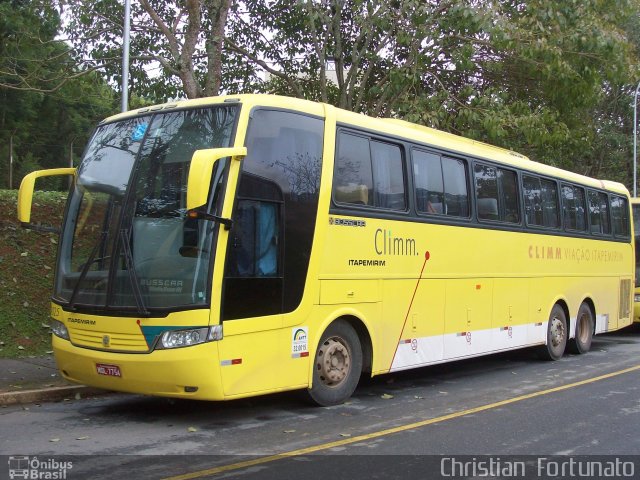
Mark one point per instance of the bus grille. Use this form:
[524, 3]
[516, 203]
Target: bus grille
[118, 342]
[625, 299]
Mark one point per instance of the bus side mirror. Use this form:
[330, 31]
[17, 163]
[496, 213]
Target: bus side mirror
[199, 182]
[25, 194]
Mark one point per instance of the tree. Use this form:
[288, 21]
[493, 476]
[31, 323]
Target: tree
[46, 106]
[538, 76]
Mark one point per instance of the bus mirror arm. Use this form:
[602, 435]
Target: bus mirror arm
[38, 227]
[202, 215]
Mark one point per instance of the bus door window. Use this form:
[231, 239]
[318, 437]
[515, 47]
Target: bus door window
[274, 215]
[254, 240]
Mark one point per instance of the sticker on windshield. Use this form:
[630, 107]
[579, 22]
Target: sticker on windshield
[138, 132]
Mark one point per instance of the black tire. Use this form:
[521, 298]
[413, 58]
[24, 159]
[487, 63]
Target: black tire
[556, 335]
[584, 331]
[337, 365]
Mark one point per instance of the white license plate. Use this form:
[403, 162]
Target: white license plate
[109, 370]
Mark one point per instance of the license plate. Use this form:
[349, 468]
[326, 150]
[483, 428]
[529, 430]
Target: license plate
[109, 370]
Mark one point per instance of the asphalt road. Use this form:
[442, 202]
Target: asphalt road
[503, 409]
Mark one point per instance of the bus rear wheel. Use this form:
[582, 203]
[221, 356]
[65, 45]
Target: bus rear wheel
[556, 335]
[337, 365]
[584, 331]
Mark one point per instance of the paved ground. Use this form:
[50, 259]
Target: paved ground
[36, 379]
[501, 405]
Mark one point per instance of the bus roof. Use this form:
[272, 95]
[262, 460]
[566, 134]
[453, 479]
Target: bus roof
[396, 128]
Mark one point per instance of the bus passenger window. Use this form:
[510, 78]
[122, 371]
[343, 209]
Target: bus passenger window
[429, 183]
[599, 213]
[388, 174]
[487, 192]
[550, 208]
[441, 184]
[532, 200]
[508, 181]
[353, 178]
[573, 208]
[497, 194]
[620, 216]
[540, 202]
[456, 196]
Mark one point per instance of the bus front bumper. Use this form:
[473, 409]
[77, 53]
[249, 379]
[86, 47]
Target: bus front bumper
[189, 372]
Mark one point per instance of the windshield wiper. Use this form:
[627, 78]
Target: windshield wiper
[133, 276]
[85, 268]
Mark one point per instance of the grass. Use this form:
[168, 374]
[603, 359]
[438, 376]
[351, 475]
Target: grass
[27, 261]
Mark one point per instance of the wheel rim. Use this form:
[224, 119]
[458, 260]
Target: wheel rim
[333, 361]
[557, 332]
[583, 328]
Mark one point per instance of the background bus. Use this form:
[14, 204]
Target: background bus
[635, 207]
[235, 246]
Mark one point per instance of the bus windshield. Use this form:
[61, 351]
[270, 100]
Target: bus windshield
[127, 243]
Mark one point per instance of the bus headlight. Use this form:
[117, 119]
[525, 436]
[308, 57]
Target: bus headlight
[59, 330]
[193, 336]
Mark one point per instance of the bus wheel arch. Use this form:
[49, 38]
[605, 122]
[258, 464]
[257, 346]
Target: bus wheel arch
[365, 341]
[557, 332]
[585, 328]
[338, 361]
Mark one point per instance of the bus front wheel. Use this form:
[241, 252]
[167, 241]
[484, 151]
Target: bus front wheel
[584, 331]
[556, 335]
[337, 365]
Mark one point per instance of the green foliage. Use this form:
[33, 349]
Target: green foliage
[48, 115]
[549, 78]
[27, 261]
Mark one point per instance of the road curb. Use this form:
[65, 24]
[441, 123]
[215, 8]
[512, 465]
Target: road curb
[50, 394]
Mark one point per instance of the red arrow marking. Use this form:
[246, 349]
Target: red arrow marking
[427, 255]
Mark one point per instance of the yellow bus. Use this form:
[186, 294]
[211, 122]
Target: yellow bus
[242, 245]
[635, 208]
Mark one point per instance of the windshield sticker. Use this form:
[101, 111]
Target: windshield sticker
[138, 132]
